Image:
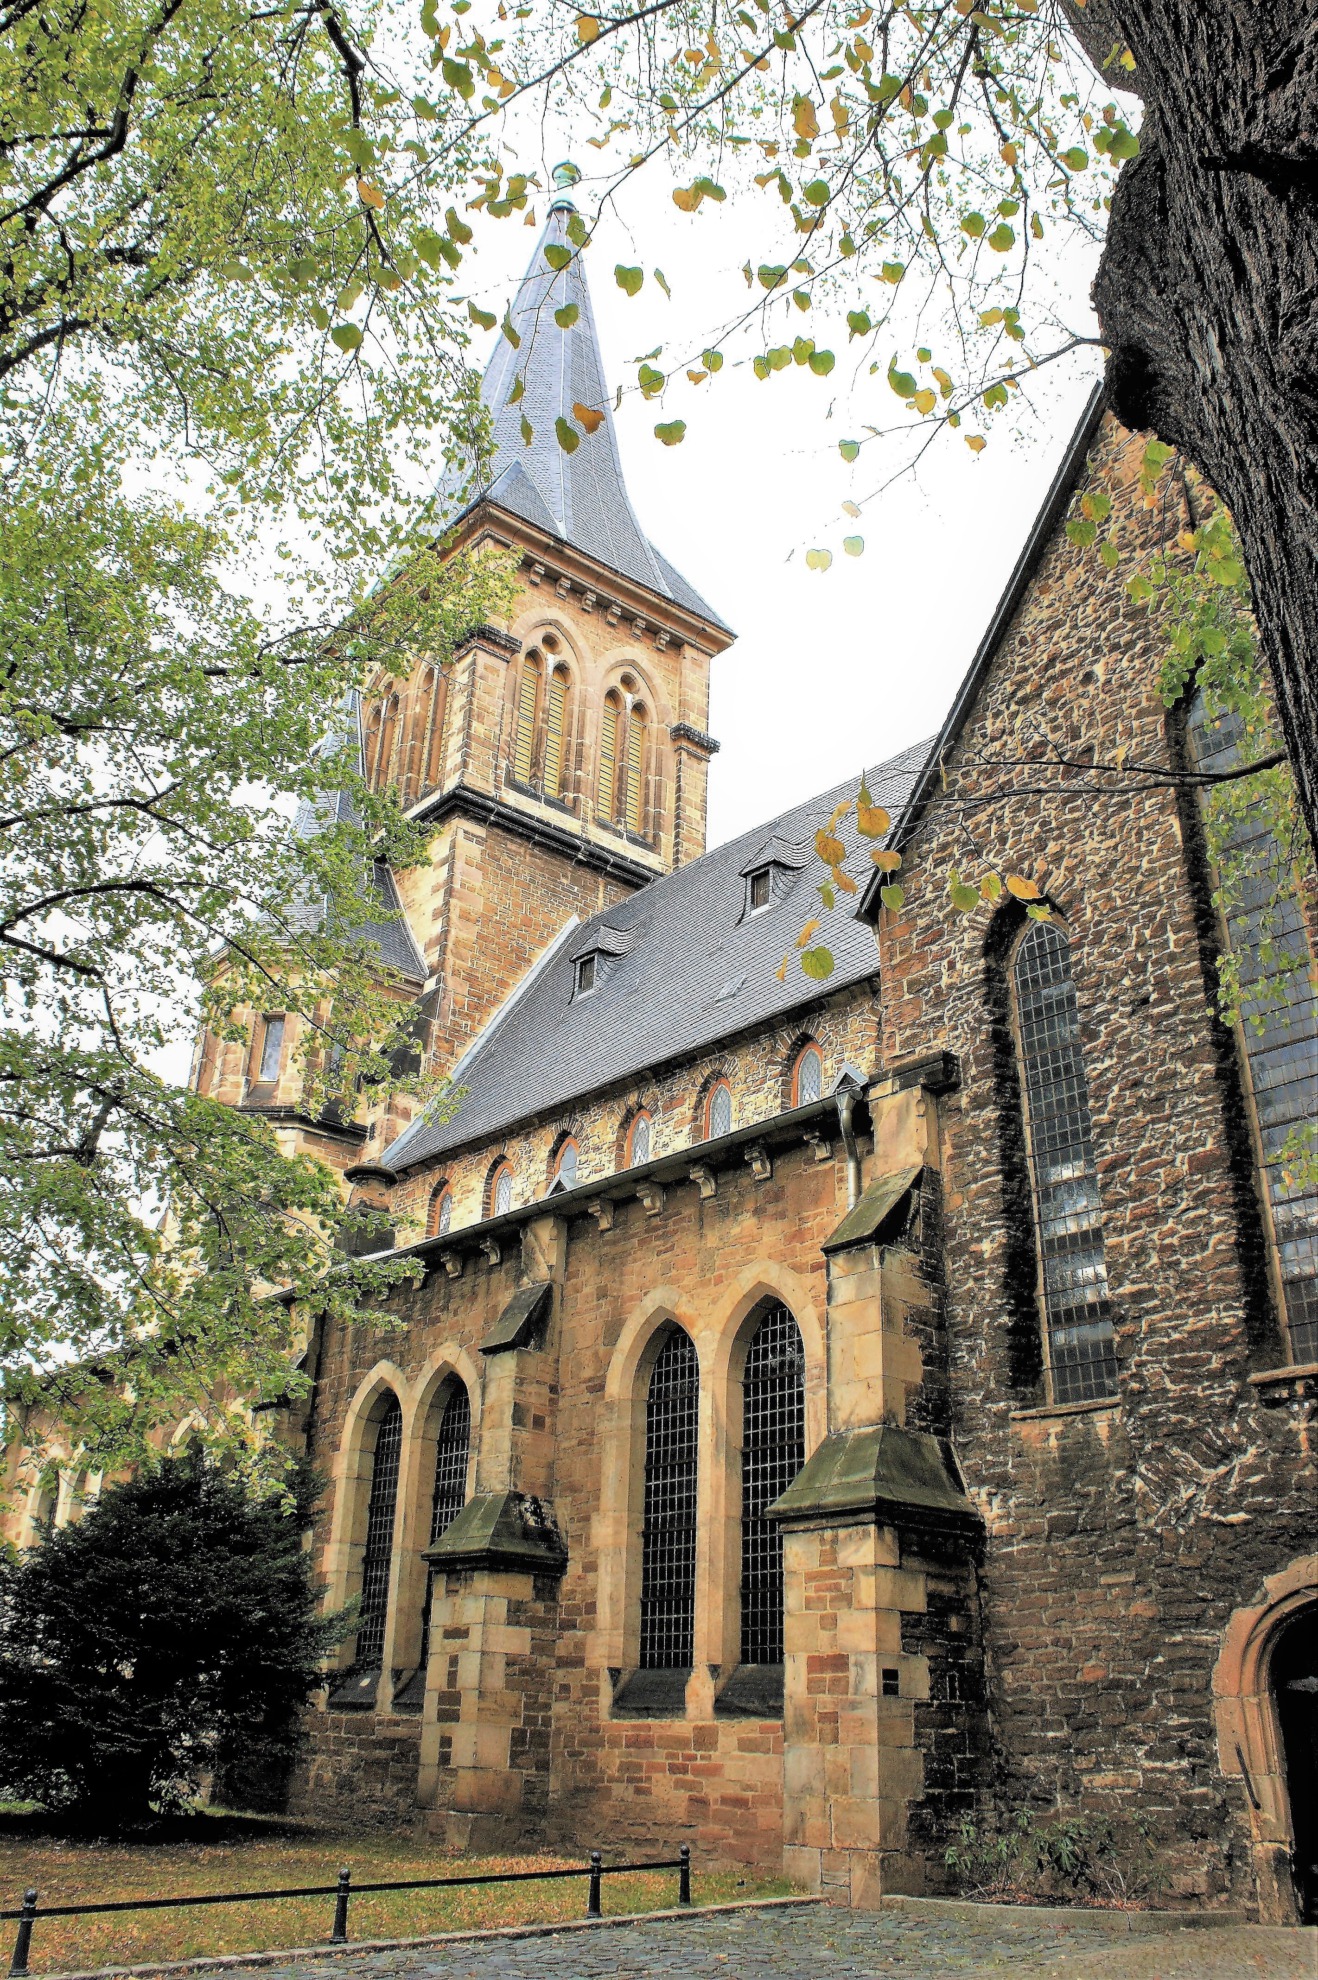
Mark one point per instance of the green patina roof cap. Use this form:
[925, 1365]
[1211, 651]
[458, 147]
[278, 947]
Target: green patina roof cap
[862, 1224]
[882, 1469]
[502, 1530]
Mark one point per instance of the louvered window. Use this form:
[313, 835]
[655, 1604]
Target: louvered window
[772, 1453]
[635, 808]
[435, 735]
[718, 1112]
[555, 729]
[528, 700]
[1068, 1216]
[452, 1448]
[378, 1551]
[1278, 1032]
[809, 1076]
[608, 765]
[668, 1532]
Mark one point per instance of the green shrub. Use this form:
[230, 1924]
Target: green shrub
[1095, 1858]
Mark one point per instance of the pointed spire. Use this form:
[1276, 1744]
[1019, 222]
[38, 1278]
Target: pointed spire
[579, 496]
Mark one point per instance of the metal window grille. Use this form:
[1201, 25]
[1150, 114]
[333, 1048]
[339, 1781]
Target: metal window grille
[668, 1531]
[452, 1448]
[555, 728]
[379, 1539]
[640, 1140]
[1068, 1216]
[720, 1112]
[809, 1077]
[272, 1047]
[772, 1453]
[1279, 1031]
[527, 702]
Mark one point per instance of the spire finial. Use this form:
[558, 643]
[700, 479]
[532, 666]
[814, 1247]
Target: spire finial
[564, 175]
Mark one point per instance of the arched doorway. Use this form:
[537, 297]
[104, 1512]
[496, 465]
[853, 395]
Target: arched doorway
[1294, 1675]
[1265, 1689]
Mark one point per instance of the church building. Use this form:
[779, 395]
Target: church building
[826, 1411]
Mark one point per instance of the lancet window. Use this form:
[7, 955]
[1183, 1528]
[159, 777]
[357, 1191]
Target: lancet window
[772, 1453]
[638, 1141]
[1067, 1213]
[718, 1111]
[668, 1531]
[1278, 1029]
[808, 1077]
[378, 1551]
[452, 1449]
[624, 765]
[440, 1217]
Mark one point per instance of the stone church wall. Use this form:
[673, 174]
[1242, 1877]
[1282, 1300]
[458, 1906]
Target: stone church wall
[1120, 1536]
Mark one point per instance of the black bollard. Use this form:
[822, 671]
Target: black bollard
[339, 1935]
[684, 1875]
[23, 1943]
[593, 1908]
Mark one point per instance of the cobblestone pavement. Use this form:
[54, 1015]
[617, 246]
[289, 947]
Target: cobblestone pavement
[815, 1941]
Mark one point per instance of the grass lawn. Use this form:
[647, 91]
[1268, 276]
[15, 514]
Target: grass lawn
[214, 1852]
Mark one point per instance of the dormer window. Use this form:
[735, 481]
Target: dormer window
[760, 888]
[587, 974]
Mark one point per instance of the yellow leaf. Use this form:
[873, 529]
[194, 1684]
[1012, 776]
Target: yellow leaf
[1024, 890]
[1009, 154]
[811, 928]
[587, 28]
[781, 971]
[830, 850]
[844, 880]
[976, 442]
[805, 118]
[370, 195]
[589, 417]
[686, 198]
[925, 401]
[851, 508]
[886, 860]
[872, 820]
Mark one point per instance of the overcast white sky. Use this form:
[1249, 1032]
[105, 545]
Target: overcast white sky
[830, 669]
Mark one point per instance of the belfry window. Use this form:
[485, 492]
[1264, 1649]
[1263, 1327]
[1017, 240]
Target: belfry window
[610, 724]
[1067, 1212]
[528, 706]
[668, 1530]
[808, 1077]
[378, 1551]
[772, 1453]
[555, 732]
[1278, 1028]
[718, 1111]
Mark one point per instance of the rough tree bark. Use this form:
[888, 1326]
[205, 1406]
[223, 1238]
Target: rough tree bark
[1207, 292]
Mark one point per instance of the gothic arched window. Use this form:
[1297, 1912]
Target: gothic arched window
[1278, 1031]
[1067, 1213]
[452, 1449]
[528, 708]
[500, 1191]
[772, 1453]
[378, 1551]
[668, 1527]
[606, 802]
[718, 1111]
[432, 711]
[441, 1211]
[556, 718]
[567, 1163]
[807, 1077]
[633, 804]
[638, 1141]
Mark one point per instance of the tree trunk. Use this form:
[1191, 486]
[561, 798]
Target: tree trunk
[1207, 293]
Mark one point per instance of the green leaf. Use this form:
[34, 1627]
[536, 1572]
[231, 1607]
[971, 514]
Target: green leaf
[672, 432]
[893, 896]
[513, 335]
[1109, 553]
[772, 275]
[1076, 159]
[484, 319]
[817, 963]
[568, 437]
[973, 224]
[858, 322]
[556, 255]
[1124, 144]
[527, 431]
[662, 280]
[821, 363]
[848, 449]
[519, 387]
[902, 383]
[1002, 238]
[1082, 532]
[817, 192]
[566, 316]
[347, 336]
[854, 545]
[629, 280]
[458, 229]
[964, 898]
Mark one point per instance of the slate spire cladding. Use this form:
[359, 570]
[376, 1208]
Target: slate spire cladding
[578, 496]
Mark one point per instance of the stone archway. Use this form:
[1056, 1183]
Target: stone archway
[1249, 1735]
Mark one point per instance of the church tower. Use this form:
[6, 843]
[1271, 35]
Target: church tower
[561, 759]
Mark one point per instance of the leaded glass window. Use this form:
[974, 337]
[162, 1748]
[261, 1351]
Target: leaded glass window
[1068, 1215]
[718, 1118]
[809, 1077]
[772, 1453]
[668, 1529]
[1278, 1030]
[638, 1142]
[452, 1447]
[379, 1547]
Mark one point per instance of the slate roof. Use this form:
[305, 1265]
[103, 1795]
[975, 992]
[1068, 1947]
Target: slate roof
[398, 947]
[681, 965]
[579, 497]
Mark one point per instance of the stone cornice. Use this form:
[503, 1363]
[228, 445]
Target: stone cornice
[463, 800]
[683, 732]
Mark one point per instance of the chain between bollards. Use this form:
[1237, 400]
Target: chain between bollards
[594, 1909]
[684, 1875]
[23, 1943]
[339, 1935]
